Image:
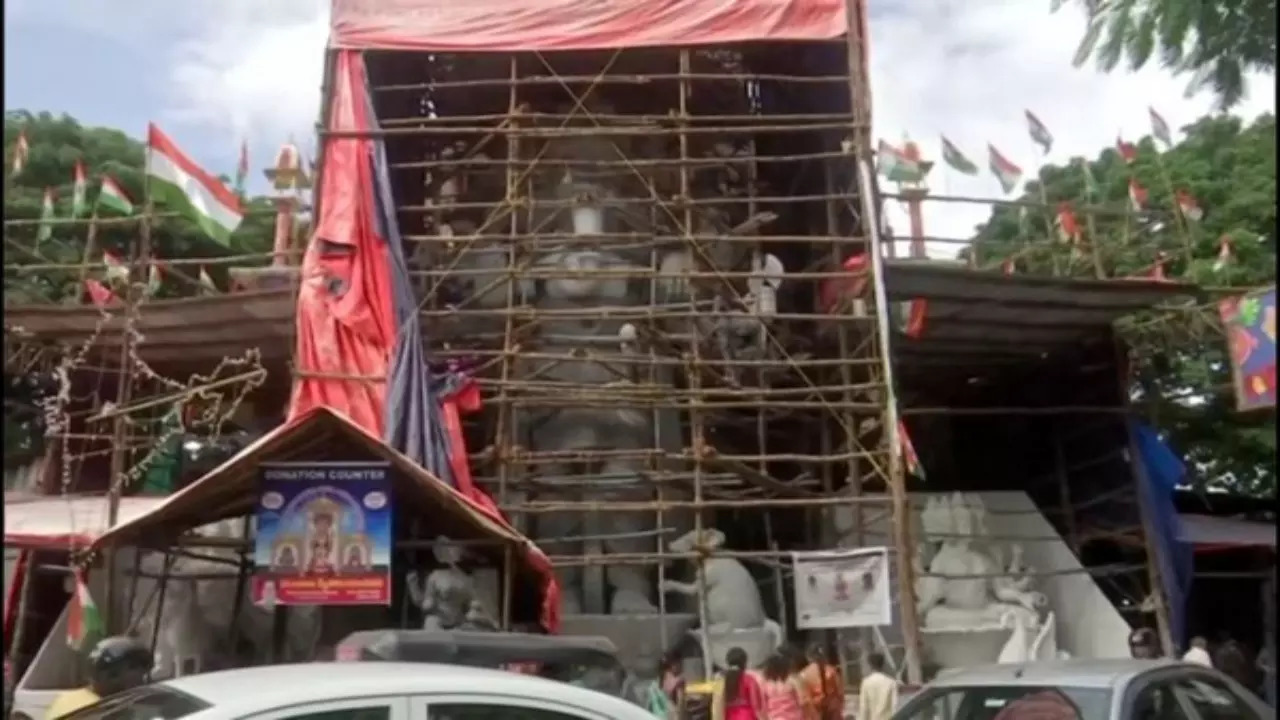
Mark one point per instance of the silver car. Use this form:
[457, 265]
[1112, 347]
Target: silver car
[1085, 690]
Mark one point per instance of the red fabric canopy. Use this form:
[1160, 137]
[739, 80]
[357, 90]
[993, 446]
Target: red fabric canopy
[515, 25]
[345, 325]
[345, 317]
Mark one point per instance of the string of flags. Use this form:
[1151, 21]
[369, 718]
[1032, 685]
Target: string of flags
[897, 165]
[175, 180]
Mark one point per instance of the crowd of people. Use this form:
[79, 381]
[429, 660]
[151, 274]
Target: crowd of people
[791, 685]
[1227, 656]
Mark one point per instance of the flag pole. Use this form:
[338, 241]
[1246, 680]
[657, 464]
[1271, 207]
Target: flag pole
[1183, 227]
[124, 391]
[1090, 220]
[90, 246]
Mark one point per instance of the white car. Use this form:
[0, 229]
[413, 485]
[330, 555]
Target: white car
[360, 691]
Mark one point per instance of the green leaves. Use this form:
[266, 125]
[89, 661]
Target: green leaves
[1216, 42]
[56, 142]
[1230, 168]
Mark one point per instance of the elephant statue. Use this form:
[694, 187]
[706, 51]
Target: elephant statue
[735, 614]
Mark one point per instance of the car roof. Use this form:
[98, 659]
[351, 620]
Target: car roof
[1082, 673]
[265, 687]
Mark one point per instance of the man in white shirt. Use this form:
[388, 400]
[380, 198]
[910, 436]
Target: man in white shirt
[878, 693]
[1198, 652]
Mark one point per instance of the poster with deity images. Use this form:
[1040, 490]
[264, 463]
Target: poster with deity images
[842, 588]
[1250, 325]
[324, 534]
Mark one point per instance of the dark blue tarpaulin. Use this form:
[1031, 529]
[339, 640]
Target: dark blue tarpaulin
[1160, 471]
[412, 411]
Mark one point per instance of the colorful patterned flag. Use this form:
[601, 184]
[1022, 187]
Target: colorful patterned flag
[1005, 171]
[1039, 133]
[952, 156]
[1160, 128]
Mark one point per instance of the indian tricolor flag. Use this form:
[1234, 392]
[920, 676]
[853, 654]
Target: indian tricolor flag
[184, 186]
[113, 197]
[84, 624]
[79, 190]
[117, 270]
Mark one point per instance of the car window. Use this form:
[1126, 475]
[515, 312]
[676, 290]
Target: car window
[1214, 700]
[149, 702]
[493, 711]
[371, 712]
[1156, 701]
[1008, 703]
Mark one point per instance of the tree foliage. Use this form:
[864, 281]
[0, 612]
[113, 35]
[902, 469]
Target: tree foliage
[1182, 370]
[1216, 42]
[55, 144]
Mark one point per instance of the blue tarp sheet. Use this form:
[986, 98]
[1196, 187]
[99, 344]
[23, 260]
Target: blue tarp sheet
[1160, 472]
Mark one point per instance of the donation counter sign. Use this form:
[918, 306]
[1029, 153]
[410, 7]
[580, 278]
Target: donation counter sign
[324, 534]
[1250, 324]
[842, 588]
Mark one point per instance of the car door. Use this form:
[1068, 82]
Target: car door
[382, 707]
[1216, 698]
[497, 707]
[1152, 696]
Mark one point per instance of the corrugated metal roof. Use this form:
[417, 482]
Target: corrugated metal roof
[231, 489]
[980, 316]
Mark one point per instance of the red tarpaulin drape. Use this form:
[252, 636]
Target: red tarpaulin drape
[345, 325]
[345, 316]
[494, 25]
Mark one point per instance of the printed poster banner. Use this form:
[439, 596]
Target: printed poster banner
[1250, 325]
[842, 588]
[324, 534]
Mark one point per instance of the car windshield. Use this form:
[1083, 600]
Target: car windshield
[1008, 702]
[149, 702]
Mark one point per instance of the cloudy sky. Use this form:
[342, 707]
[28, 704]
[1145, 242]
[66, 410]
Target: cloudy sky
[213, 71]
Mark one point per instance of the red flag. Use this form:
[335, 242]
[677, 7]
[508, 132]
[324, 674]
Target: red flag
[1137, 195]
[1068, 228]
[100, 294]
[1128, 151]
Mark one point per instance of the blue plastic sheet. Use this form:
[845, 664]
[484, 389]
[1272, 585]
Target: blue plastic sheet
[1160, 471]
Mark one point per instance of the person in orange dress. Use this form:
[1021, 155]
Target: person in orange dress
[825, 685]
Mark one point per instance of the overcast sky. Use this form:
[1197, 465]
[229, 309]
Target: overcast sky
[213, 71]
